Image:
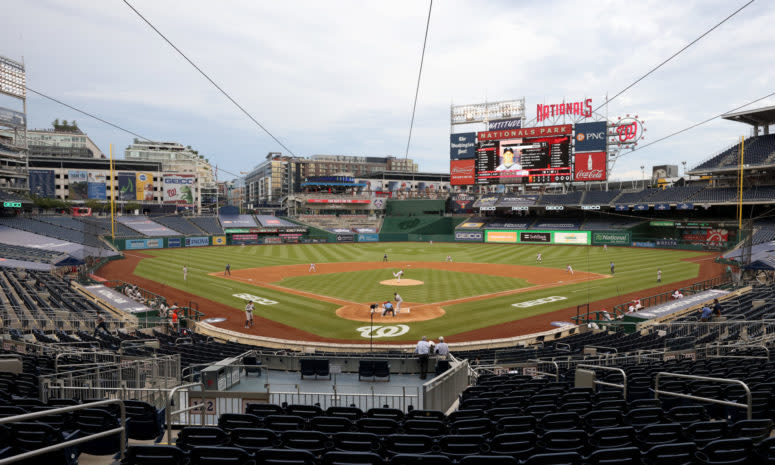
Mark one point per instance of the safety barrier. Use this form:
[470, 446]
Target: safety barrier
[748, 405]
[622, 386]
[441, 392]
[74, 442]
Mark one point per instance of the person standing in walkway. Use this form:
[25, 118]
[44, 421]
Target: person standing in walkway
[422, 350]
[442, 349]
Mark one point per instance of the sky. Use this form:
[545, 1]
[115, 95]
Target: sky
[339, 77]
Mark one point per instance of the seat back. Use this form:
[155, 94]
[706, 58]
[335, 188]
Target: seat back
[209, 455]
[154, 455]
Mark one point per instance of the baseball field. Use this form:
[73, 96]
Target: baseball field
[485, 291]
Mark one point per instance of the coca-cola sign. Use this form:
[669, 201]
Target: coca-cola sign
[590, 166]
[462, 172]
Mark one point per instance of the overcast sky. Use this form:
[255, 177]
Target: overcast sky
[338, 77]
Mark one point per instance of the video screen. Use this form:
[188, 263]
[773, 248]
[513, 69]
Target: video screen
[524, 160]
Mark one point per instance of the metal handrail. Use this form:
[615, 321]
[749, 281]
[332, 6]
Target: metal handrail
[622, 386]
[616, 351]
[86, 364]
[132, 343]
[169, 411]
[748, 406]
[556, 373]
[73, 442]
[564, 344]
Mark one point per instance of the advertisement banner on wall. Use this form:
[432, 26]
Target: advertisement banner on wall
[126, 186]
[78, 181]
[244, 239]
[345, 238]
[462, 172]
[219, 240]
[136, 244]
[273, 240]
[469, 236]
[544, 237]
[178, 189]
[463, 203]
[144, 184]
[42, 183]
[580, 237]
[502, 124]
[462, 146]
[197, 241]
[611, 237]
[591, 137]
[174, 242]
[97, 188]
[509, 237]
[590, 166]
[368, 237]
[12, 118]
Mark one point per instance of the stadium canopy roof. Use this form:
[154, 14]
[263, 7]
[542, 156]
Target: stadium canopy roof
[758, 117]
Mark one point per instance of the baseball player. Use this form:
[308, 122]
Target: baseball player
[398, 275]
[539, 258]
[605, 247]
[569, 270]
[388, 307]
[612, 268]
[312, 268]
[249, 314]
[185, 272]
[399, 301]
[384, 257]
[227, 271]
[659, 276]
[449, 258]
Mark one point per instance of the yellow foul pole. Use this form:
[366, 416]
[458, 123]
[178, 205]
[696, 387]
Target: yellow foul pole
[112, 197]
[740, 185]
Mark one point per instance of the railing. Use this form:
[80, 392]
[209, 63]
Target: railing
[147, 295]
[399, 397]
[748, 405]
[555, 375]
[74, 442]
[745, 331]
[90, 358]
[441, 392]
[608, 349]
[733, 351]
[170, 403]
[622, 386]
[663, 297]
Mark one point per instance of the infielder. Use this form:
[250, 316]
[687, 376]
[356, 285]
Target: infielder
[312, 268]
[227, 271]
[539, 258]
[449, 258]
[398, 275]
[384, 257]
[399, 301]
[249, 314]
[612, 268]
[569, 270]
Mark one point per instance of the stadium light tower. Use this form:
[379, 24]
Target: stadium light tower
[643, 175]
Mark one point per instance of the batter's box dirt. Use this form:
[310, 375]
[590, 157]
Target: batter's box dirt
[409, 312]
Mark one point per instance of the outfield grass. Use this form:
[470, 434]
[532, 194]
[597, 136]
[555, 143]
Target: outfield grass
[635, 270]
[439, 285]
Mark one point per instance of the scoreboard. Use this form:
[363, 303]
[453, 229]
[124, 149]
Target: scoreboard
[527, 155]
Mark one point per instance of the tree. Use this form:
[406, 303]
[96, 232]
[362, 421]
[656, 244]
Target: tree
[55, 123]
[131, 206]
[64, 122]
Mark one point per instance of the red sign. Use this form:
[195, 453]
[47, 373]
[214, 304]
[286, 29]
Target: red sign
[525, 132]
[590, 166]
[717, 235]
[462, 172]
[337, 201]
[561, 109]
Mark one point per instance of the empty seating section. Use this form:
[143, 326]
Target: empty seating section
[104, 226]
[610, 223]
[556, 223]
[146, 226]
[18, 252]
[179, 224]
[600, 197]
[628, 198]
[759, 150]
[766, 193]
[714, 195]
[764, 231]
[52, 230]
[237, 221]
[570, 198]
[270, 221]
[674, 194]
[208, 224]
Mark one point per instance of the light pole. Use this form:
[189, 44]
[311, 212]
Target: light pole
[643, 175]
[684, 165]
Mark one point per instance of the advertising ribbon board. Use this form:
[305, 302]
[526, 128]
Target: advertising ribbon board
[178, 189]
[508, 237]
[469, 236]
[539, 237]
[368, 237]
[579, 237]
[462, 146]
[197, 241]
[135, 244]
[219, 240]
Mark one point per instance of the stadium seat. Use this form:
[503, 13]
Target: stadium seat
[230, 421]
[380, 426]
[193, 436]
[655, 434]
[617, 456]
[146, 421]
[569, 440]
[703, 432]
[671, 454]
[428, 427]
[262, 410]
[26, 437]
[426, 415]
[351, 458]
[285, 457]
[357, 442]
[726, 452]
[557, 458]
[390, 413]
[313, 441]
[518, 424]
[757, 430]
[284, 422]
[597, 419]
[408, 444]
[154, 455]
[254, 439]
[612, 438]
[562, 420]
[518, 445]
[94, 420]
[210, 455]
[417, 459]
[251, 365]
[488, 460]
[304, 411]
[480, 426]
[328, 424]
[314, 367]
[460, 445]
[351, 413]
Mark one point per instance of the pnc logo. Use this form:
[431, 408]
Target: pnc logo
[580, 137]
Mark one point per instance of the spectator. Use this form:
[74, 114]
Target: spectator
[716, 309]
[422, 350]
[442, 349]
[174, 321]
[705, 313]
[100, 324]
[677, 294]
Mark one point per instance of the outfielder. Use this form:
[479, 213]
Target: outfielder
[185, 272]
[539, 258]
[659, 276]
[569, 270]
[398, 275]
[312, 268]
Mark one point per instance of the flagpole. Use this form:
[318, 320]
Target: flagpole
[112, 198]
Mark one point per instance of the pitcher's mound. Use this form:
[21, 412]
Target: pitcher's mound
[416, 312]
[403, 282]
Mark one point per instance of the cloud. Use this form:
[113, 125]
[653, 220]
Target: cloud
[339, 77]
